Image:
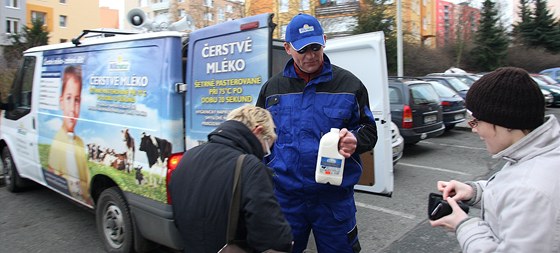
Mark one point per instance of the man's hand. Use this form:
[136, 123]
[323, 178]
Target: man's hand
[347, 143]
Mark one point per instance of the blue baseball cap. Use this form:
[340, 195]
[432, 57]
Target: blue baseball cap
[304, 30]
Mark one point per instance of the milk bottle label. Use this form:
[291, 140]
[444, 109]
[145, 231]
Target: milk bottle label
[331, 166]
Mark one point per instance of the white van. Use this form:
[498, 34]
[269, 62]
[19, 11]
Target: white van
[105, 120]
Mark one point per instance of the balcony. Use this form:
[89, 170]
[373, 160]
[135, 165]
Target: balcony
[333, 8]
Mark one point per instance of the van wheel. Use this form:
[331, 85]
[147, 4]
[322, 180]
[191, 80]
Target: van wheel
[114, 223]
[14, 183]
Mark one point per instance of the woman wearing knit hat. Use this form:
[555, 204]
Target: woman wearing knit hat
[521, 202]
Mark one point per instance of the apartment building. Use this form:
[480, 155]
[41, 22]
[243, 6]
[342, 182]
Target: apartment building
[202, 13]
[64, 19]
[12, 13]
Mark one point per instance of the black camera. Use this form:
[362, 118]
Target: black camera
[437, 207]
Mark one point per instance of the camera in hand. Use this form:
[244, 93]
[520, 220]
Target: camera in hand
[437, 207]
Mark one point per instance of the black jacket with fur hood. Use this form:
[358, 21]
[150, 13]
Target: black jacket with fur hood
[201, 191]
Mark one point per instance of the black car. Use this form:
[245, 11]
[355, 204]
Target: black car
[415, 109]
[452, 82]
[452, 105]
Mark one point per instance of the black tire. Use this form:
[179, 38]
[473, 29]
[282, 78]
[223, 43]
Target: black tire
[114, 222]
[14, 183]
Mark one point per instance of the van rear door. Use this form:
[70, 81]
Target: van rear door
[364, 56]
[226, 66]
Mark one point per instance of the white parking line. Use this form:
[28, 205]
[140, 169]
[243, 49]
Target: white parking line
[433, 168]
[455, 146]
[385, 210]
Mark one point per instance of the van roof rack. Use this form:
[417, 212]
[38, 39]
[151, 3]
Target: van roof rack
[102, 33]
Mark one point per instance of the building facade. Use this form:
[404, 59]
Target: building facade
[201, 13]
[12, 13]
[64, 19]
[445, 23]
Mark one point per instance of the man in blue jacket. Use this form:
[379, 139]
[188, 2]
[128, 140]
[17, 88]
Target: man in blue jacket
[306, 100]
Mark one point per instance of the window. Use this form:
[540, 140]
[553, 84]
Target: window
[284, 5]
[22, 89]
[63, 40]
[384, 1]
[12, 3]
[229, 8]
[40, 16]
[395, 96]
[221, 15]
[62, 1]
[284, 28]
[423, 93]
[12, 25]
[208, 16]
[304, 5]
[62, 20]
[208, 3]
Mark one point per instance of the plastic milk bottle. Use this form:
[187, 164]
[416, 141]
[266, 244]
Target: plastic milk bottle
[330, 163]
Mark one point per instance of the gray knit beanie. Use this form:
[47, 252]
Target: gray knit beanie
[507, 97]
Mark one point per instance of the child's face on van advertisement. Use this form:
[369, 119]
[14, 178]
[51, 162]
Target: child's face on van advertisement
[70, 101]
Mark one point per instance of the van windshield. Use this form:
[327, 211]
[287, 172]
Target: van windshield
[423, 94]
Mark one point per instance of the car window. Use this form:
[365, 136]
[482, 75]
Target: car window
[442, 90]
[423, 93]
[457, 84]
[395, 96]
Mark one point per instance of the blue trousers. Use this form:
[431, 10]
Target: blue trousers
[333, 223]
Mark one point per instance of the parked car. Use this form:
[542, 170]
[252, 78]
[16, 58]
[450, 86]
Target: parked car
[415, 109]
[548, 98]
[467, 78]
[397, 143]
[452, 82]
[453, 106]
[554, 90]
[552, 72]
[547, 79]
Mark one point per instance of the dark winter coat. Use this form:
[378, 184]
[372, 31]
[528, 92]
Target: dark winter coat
[201, 191]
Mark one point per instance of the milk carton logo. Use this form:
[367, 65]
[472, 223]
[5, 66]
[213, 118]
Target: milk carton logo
[119, 64]
[306, 28]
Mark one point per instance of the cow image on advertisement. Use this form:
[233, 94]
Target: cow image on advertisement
[129, 142]
[157, 150]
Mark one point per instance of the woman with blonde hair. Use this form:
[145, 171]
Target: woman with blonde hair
[201, 187]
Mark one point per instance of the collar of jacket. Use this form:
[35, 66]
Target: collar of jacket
[237, 135]
[307, 76]
[324, 76]
[539, 141]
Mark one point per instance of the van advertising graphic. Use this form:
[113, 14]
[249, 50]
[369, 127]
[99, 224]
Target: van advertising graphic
[101, 112]
[228, 73]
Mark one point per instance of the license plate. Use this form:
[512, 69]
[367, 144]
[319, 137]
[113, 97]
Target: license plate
[459, 116]
[430, 119]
